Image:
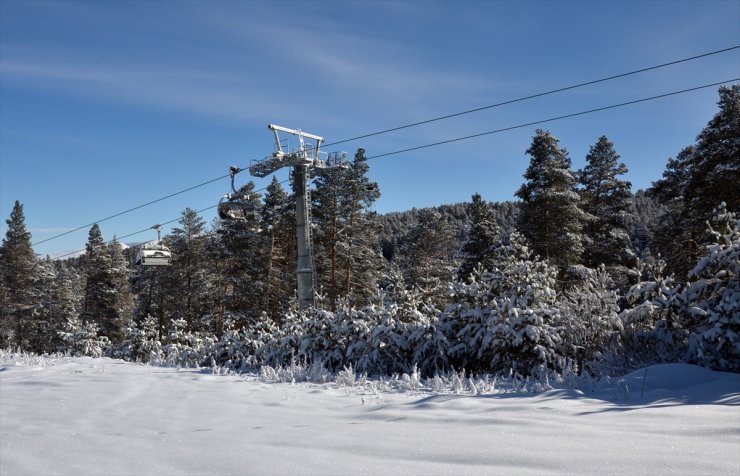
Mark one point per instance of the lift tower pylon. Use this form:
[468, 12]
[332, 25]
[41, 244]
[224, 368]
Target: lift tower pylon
[303, 160]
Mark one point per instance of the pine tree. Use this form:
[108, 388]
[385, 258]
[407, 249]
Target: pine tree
[608, 200]
[716, 162]
[550, 217]
[187, 279]
[427, 255]
[278, 224]
[713, 297]
[481, 238]
[244, 255]
[672, 238]
[122, 299]
[18, 265]
[347, 258]
[701, 176]
[107, 301]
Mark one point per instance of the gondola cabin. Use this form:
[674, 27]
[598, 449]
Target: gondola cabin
[153, 254]
[230, 208]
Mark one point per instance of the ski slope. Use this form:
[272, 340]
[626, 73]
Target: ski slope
[83, 416]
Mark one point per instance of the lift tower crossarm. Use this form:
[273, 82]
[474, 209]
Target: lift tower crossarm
[303, 155]
[295, 132]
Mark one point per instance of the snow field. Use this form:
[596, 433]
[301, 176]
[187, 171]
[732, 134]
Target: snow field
[80, 416]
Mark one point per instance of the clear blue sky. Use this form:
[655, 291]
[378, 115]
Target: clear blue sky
[107, 105]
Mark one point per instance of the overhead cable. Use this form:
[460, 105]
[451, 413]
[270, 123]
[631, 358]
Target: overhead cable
[458, 139]
[553, 91]
[613, 106]
[546, 93]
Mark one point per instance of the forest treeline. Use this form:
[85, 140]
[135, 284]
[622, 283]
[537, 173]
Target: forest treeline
[580, 272]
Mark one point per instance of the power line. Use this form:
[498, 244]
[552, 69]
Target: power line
[557, 118]
[412, 125]
[546, 93]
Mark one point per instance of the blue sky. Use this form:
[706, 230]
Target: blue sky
[105, 106]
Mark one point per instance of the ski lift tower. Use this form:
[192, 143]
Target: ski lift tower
[304, 159]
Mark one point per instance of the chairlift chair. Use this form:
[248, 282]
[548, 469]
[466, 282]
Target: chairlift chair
[238, 209]
[236, 206]
[154, 253]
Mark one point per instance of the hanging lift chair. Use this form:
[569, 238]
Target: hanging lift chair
[154, 253]
[236, 206]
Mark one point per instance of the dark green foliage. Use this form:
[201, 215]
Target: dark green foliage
[481, 238]
[699, 178]
[18, 296]
[278, 225]
[107, 300]
[428, 255]
[608, 200]
[188, 279]
[346, 255]
[550, 218]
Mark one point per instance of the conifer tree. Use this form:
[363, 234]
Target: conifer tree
[122, 299]
[481, 238]
[347, 257]
[428, 255]
[244, 255]
[18, 265]
[550, 217]
[608, 200]
[672, 237]
[188, 279]
[697, 180]
[278, 224]
[107, 301]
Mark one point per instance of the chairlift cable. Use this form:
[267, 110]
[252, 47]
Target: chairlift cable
[525, 98]
[237, 169]
[557, 118]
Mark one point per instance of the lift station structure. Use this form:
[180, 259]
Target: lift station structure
[304, 160]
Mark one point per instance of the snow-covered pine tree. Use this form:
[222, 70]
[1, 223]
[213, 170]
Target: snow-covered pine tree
[82, 339]
[672, 238]
[244, 254]
[18, 268]
[347, 256]
[122, 299]
[46, 333]
[654, 326]
[608, 201]
[427, 256]
[507, 319]
[713, 297]
[716, 164]
[590, 320]
[481, 238]
[278, 224]
[187, 279]
[699, 178]
[550, 215]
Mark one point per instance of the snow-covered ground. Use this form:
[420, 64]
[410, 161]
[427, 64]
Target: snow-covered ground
[77, 416]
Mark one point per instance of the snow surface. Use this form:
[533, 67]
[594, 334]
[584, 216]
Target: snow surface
[77, 416]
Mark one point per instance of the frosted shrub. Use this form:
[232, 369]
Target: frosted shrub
[713, 298]
[82, 340]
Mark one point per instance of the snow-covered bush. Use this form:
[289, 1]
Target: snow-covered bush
[713, 297]
[506, 318]
[589, 322]
[82, 340]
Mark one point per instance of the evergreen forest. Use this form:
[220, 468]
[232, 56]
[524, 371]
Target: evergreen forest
[580, 273]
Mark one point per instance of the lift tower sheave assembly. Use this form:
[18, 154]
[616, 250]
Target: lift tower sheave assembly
[305, 158]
